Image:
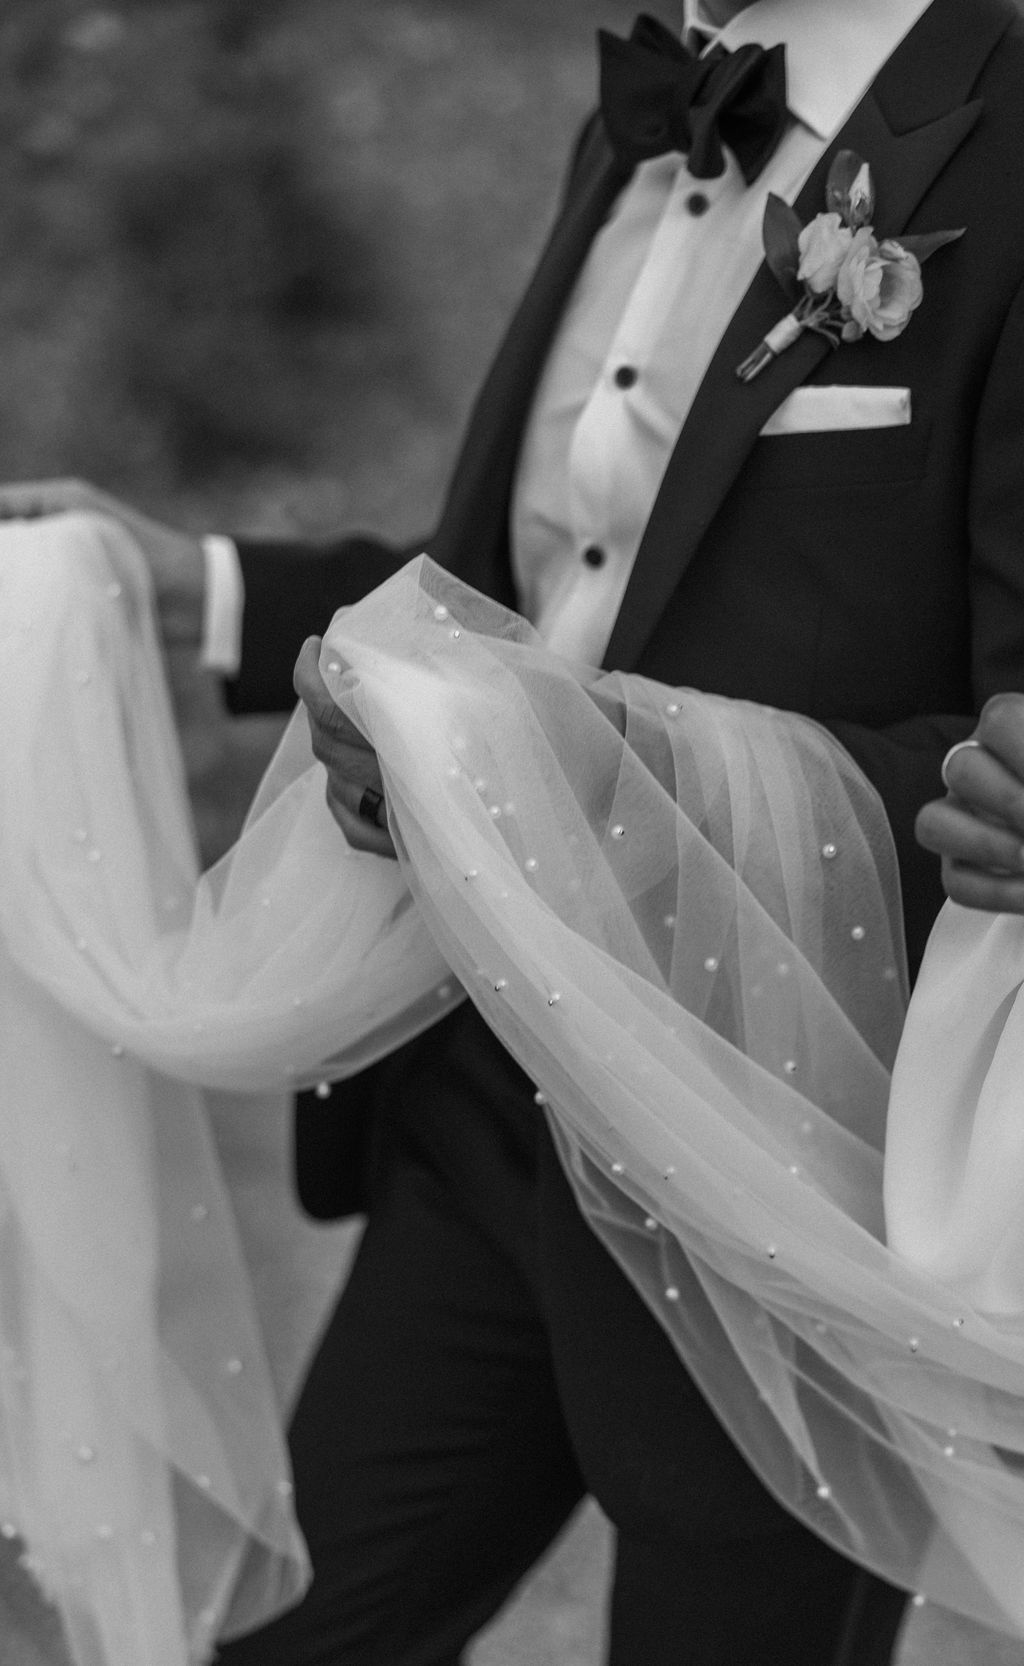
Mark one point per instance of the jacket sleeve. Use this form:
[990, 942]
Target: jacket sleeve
[904, 759]
[292, 591]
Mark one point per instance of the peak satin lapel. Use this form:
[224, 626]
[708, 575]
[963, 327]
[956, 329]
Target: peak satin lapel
[727, 414]
[482, 479]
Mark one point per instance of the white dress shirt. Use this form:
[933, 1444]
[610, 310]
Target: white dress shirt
[659, 286]
[654, 296]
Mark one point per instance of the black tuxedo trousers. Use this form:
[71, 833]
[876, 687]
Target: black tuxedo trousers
[522, 1372]
[488, 1363]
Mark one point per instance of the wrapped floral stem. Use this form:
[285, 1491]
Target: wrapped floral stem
[787, 331]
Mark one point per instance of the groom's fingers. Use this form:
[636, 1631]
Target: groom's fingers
[316, 697]
[347, 756]
[978, 830]
[1001, 733]
[980, 780]
[978, 888]
[953, 831]
[361, 834]
[982, 861]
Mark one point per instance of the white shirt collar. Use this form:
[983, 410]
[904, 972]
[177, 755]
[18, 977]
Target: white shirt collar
[834, 48]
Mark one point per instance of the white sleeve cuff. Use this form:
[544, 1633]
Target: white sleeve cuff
[223, 605]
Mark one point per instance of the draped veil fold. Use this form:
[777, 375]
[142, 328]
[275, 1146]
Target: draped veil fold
[680, 913]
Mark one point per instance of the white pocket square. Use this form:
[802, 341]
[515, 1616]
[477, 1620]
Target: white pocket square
[817, 410]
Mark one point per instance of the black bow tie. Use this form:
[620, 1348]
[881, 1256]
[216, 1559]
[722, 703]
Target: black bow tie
[657, 96]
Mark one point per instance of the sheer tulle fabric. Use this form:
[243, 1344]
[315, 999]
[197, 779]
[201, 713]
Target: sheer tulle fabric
[678, 912]
[144, 1481]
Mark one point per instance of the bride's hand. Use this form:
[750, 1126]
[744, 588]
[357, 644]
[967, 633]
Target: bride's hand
[355, 791]
[978, 828]
[175, 559]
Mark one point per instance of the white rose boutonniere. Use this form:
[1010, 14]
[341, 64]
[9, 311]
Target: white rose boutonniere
[846, 282]
[823, 246]
[878, 286]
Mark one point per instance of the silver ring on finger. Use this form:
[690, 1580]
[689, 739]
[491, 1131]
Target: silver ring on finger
[961, 746]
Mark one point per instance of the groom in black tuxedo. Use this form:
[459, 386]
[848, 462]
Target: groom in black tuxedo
[842, 537]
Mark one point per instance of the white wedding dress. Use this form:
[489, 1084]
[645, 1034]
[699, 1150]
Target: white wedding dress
[680, 913]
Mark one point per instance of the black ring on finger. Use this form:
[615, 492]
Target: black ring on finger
[370, 806]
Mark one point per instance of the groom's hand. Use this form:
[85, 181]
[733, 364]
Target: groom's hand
[978, 829]
[175, 559]
[353, 774]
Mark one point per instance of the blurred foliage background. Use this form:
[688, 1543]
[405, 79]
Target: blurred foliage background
[256, 253]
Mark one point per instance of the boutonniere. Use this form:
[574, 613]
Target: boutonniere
[845, 281]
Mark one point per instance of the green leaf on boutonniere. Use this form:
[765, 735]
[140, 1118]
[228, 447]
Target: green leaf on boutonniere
[781, 231]
[923, 244]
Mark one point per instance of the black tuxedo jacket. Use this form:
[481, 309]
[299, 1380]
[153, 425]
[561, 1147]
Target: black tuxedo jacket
[872, 579]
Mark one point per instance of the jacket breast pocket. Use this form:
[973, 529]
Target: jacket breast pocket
[826, 438]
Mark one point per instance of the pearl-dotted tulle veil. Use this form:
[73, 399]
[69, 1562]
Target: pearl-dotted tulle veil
[680, 913]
